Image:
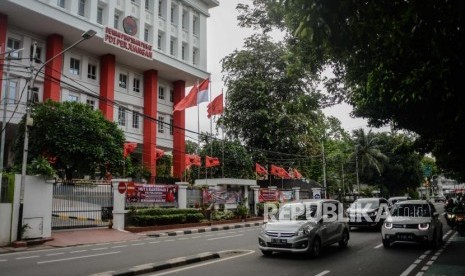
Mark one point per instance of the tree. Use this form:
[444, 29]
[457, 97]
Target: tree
[76, 139]
[367, 154]
[269, 107]
[396, 62]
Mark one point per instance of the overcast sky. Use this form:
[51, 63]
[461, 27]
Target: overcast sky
[223, 37]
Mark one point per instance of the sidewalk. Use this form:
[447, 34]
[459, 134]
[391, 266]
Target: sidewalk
[65, 238]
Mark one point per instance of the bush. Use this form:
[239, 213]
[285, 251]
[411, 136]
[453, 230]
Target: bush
[222, 215]
[163, 216]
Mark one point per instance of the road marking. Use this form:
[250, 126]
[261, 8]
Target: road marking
[27, 257]
[225, 237]
[202, 264]
[196, 237]
[378, 246]
[136, 244]
[429, 262]
[434, 258]
[420, 274]
[119, 246]
[4, 260]
[323, 273]
[408, 270]
[78, 251]
[80, 257]
[422, 257]
[427, 252]
[169, 240]
[182, 239]
[100, 248]
[154, 242]
[55, 254]
[425, 268]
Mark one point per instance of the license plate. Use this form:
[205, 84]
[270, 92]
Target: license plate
[404, 237]
[279, 241]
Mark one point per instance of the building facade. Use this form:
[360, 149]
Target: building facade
[134, 70]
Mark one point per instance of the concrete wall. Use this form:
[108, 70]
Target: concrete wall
[38, 196]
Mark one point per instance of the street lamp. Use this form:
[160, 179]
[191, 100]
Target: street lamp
[87, 35]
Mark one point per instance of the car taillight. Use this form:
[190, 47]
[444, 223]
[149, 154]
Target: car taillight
[388, 225]
[423, 226]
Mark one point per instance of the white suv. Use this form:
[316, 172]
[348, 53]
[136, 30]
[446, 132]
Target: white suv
[412, 221]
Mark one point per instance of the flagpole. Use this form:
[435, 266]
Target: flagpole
[211, 128]
[222, 139]
[198, 124]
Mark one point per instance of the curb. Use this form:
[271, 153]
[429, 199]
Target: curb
[147, 268]
[202, 230]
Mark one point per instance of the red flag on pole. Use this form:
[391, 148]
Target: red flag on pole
[297, 174]
[192, 159]
[260, 170]
[202, 95]
[189, 101]
[211, 161]
[275, 170]
[129, 148]
[216, 106]
[284, 174]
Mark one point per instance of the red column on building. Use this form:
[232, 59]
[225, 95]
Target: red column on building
[53, 70]
[3, 28]
[107, 85]
[150, 125]
[179, 139]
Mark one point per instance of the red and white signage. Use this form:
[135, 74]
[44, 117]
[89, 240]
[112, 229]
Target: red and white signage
[131, 189]
[128, 43]
[122, 187]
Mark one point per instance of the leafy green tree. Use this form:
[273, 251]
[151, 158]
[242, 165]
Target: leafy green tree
[269, 107]
[397, 62]
[76, 139]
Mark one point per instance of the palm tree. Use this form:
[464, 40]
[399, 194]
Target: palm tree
[367, 154]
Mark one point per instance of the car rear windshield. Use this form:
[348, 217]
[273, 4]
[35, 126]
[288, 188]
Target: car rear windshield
[411, 210]
[365, 204]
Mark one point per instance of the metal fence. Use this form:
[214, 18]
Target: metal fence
[81, 206]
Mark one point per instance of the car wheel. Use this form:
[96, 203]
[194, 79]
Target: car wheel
[267, 253]
[315, 248]
[386, 244]
[344, 239]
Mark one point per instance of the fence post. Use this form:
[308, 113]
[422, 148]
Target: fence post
[182, 194]
[118, 205]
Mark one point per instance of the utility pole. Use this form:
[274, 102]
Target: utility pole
[324, 165]
[356, 168]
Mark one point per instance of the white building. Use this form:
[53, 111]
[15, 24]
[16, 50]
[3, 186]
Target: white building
[135, 69]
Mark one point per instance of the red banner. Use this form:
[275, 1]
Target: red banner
[149, 193]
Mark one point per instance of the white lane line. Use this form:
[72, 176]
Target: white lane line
[422, 257]
[427, 252]
[136, 244]
[417, 261]
[425, 268]
[27, 257]
[182, 239]
[420, 273]
[429, 262]
[169, 240]
[55, 254]
[225, 237]
[4, 260]
[78, 251]
[80, 257]
[100, 248]
[408, 270]
[196, 237]
[202, 264]
[323, 273]
[119, 246]
[434, 258]
[154, 242]
[378, 246]
[209, 235]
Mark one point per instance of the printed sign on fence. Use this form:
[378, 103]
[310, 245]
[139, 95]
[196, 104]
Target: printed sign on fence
[148, 193]
[221, 197]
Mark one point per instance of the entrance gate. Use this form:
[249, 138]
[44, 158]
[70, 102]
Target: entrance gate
[81, 206]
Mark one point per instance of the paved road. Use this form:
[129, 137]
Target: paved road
[365, 256]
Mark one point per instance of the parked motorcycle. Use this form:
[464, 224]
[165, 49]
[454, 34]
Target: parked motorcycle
[460, 221]
[450, 218]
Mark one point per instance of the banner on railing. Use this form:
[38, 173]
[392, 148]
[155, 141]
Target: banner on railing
[267, 195]
[221, 197]
[148, 193]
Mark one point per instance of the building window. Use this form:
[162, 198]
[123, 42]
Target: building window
[121, 116]
[171, 125]
[146, 34]
[116, 21]
[174, 18]
[61, 3]
[73, 98]
[172, 47]
[136, 85]
[161, 93]
[160, 8]
[195, 25]
[147, 5]
[12, 45]
[38, 55]
[11, 93]
[185, 20]
[123, 81]
[194, 56]
[183, 52]
[99, 15]
[171, 95]
[135, 119]
[91, 104]
[74, 66]
[91, 71]
[159, 42]
[82, 7]
[161, 120]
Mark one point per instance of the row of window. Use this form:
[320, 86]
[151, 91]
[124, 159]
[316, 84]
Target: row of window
[136, 120]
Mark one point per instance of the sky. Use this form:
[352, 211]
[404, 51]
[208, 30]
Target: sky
[223, 37]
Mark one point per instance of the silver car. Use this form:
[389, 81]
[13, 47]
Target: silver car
[305, 227]
[412, 221]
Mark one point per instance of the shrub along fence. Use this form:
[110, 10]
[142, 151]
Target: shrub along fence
[163, 216]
